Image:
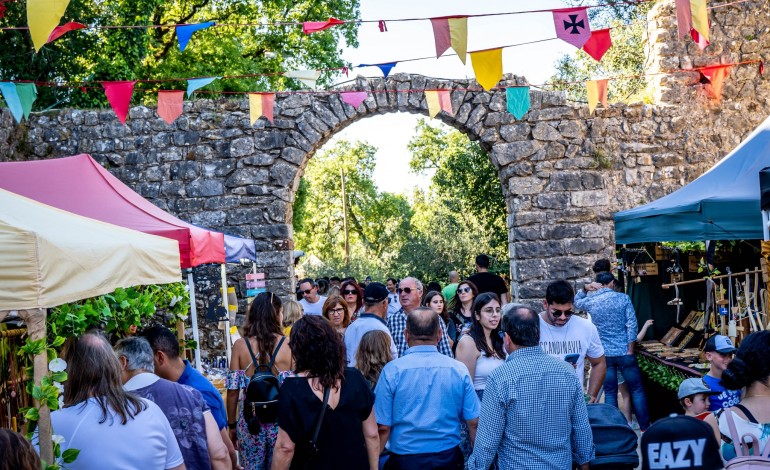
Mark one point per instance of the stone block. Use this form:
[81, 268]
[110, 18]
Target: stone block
[567, 267]
[293, 155]
[526, 233]
[282, 173]
[565, 181]
[186, 171]
[222, 202]
[521, 219]
[211, 219]
[241, 147]
[543, 131]
[553, 200]
[270, 232]
[525, 185]
[205, 187]
[589, 198]
[246, 176]
[572, 129]
[559, 232]
[217, 168]
[571, 216]
[530, 269]
[515, 151]
[539, 249]
[581, 246]
[245, 216]
[591, 180]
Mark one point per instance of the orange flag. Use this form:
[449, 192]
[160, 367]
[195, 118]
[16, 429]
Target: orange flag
[170, 104]
[597, 91]
[716, 77]
[261, 104]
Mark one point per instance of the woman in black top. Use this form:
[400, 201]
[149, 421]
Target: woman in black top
[319, 356]
[460, 307]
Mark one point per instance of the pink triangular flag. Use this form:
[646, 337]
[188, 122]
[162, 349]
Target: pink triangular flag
[445, 101]
[354, 98]
[65, 28]
[598, 44]
[572, 25]
[309, 27]
[119, 96]
[441, 35]
[170, 104]
[683, 17]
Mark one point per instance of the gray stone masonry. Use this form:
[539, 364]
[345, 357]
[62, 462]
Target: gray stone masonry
[564, 172]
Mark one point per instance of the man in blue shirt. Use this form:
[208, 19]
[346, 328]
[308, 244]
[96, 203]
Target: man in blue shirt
[421, 398]
[534, 414]
[169, 366]
[614, 316]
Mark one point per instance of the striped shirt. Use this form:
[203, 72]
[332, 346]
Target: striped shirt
[397, 325]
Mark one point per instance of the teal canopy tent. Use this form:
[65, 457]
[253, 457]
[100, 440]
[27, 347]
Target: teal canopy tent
[722, 204]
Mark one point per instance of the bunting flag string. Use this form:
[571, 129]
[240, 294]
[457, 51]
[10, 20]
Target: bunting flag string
[261, 104]
[119, 96]
[185, 32]
[488, 67]
[310, 27]
[59, 31]
[11, 96]
[42, 17]
[170, 105]
[451, 32]
[438, 100]
[597, 92]
[517, 100]
[598, 44]
[572, 25]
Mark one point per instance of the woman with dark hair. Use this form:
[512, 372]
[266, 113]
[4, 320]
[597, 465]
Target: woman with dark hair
[354, 298]
[372, 355]
[460, 307]
[16, 453]
[262, 340]
[348, 435]
[749, 370]
[434, 300]
[104, 422]
[481, 350]
[336, 311]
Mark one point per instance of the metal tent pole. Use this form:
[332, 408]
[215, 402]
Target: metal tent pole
[226, 305]
[194, 320]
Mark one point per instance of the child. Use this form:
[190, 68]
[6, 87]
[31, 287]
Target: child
[292, 311]
[719, 352]
[694, 397]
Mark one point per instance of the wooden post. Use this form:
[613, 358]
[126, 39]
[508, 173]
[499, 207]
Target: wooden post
[345, 223]
[35, 320]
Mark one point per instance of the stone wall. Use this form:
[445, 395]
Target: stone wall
[564, 173]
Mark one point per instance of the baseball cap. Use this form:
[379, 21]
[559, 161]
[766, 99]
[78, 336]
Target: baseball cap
[690, 387]
[720, 344]
[375, 292]
[680, 442]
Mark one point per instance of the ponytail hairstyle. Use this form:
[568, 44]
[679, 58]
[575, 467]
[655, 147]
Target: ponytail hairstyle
[750, 363]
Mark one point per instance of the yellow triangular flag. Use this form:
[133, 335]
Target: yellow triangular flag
[593, 96]
[700, 18]
[488, 67]
[434, 107]
[42, 17]
[458, 34]
[255, 107]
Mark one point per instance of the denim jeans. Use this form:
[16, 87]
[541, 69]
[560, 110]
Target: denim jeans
[628, 366]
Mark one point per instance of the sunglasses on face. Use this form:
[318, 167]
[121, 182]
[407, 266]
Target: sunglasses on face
[407, 290]
[337, 311]
[464, 290]
[560, 313]
[307, 291]
[349, 292]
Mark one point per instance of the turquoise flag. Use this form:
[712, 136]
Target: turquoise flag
[11, 96]
[27, 95]
[518, 100]
[195, 83]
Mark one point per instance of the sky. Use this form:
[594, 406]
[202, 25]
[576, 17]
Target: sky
[390, 133]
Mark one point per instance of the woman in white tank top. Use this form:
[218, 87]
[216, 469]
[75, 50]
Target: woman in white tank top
[481, 350]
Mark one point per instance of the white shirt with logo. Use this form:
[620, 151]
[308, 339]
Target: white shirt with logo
[579, 336]
[313, 309]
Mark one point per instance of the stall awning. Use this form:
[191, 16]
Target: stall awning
[50, 257]
[722, 204]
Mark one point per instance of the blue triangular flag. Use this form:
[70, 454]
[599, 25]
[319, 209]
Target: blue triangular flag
[386, 67]
[184, 32]
[518, 100]
[195, 83]
[11, 96]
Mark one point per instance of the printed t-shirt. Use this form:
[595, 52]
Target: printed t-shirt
[578, 336]
[726, 399]
[313, 309]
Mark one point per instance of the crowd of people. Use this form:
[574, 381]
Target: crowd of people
[391, 375]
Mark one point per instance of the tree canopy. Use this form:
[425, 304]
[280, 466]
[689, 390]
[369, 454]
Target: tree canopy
[152, 53]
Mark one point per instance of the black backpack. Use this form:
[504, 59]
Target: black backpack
[260, 405]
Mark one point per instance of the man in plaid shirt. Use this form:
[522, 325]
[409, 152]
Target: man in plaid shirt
[533, 415]
[410, 295]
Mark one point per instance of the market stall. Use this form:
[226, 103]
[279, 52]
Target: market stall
[50, 257]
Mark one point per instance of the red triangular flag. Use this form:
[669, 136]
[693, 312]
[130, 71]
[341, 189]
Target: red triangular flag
[716, 75]
[170, 104]
[268, 102]
[354, 98]
[309, 27]
[599, 43]
[65, 28]
[119, 96]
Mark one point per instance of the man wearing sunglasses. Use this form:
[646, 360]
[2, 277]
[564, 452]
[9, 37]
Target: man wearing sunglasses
[410, 295]
[570, 338]
[614, 316]
[312, 303]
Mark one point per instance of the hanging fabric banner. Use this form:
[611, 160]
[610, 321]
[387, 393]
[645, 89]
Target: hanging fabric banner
[261, 104]
[11, 97]
[310, 27]
[307, 77]
[698, 39]
[597, 92]
[27, 93]
[386, 67]
[451, 32]
[195, 83]
[43, 17]
[170, 104]
[185, 32]
[354, 98]
[683, 18]
[438, 100]
[517, 100]
[59, 31]
[700, 18]
[572, 25]
[598, 44]
[488, 67]
[716, 77]
[119, 96]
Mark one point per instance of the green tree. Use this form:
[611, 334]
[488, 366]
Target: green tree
[377, 221]
[133, 54]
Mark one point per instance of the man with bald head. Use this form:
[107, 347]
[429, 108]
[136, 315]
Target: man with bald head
[421, 399]
[410, 292]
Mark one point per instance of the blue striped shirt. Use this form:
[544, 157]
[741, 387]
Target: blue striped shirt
[614, 316]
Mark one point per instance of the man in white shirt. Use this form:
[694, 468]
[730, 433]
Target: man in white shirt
[376, 307]
[570, 338]
[311, 302]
